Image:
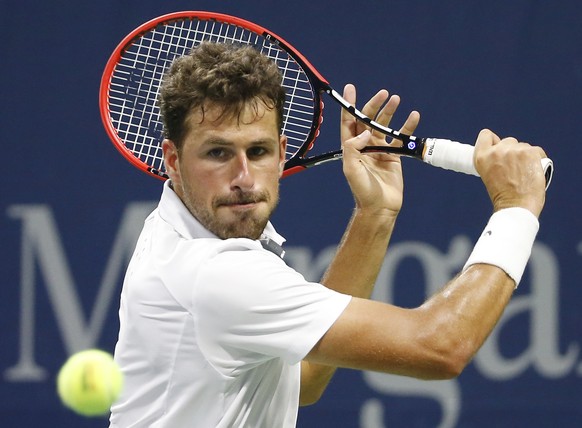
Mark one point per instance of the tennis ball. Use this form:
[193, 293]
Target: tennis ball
[89, 382]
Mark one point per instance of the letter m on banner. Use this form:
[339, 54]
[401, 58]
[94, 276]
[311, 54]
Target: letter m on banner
[41, 247]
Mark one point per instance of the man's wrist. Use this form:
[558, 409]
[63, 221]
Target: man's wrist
[506, 241]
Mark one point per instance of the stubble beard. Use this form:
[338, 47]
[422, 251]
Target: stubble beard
[246, 224]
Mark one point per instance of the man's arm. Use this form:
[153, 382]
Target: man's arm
[377, 190]
[438, 339]
[364, 244]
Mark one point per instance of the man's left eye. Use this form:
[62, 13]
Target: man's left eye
[257, 152]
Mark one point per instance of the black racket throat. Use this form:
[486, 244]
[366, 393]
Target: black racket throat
[413, 149]
[410, 148]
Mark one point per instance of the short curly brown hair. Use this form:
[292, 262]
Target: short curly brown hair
[227, 75]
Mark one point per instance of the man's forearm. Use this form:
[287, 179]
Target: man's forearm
[360, 254]
[353, 271]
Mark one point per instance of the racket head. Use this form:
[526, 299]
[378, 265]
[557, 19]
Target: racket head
[133, 76]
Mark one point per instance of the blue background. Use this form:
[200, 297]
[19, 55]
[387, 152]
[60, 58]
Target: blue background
[514, 67]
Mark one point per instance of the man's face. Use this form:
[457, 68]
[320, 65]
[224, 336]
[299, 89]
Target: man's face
[228, 171]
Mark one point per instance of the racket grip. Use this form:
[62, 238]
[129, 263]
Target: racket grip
[458, 157]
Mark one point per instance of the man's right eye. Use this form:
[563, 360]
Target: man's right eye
[216, 153]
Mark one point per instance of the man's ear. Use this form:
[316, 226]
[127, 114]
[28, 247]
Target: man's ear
[171, 160]
[282, 153]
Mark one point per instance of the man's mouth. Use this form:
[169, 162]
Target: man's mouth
[241, 202]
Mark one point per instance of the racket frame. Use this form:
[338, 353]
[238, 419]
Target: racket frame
[297, 161]
[144, 28]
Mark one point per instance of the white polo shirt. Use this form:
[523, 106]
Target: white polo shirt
[212, 331]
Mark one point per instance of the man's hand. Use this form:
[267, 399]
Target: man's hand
[511, 172]
[375, 179]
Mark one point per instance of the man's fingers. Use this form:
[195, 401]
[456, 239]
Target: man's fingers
[380, 110]
[486, 138]
[347, 121]
[411, 123]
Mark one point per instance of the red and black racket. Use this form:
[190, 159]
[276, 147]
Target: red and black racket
[131, 82]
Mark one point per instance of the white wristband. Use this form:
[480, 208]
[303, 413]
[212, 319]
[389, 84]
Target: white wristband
[506, 241]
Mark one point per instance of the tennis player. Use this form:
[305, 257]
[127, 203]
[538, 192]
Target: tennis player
[217, 331]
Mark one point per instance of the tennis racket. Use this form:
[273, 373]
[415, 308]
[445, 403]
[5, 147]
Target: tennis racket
[133, 75]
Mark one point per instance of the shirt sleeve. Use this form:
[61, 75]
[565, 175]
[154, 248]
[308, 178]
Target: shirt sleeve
[250, 305]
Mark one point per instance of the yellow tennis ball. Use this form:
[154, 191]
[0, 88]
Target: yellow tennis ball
[89, 382]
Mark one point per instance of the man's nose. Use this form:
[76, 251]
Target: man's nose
[242, 173]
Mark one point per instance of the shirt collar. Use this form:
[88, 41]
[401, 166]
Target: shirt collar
[173, 210]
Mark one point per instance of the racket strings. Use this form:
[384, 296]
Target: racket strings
[136, 80]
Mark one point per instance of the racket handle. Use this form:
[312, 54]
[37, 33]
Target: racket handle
[458, 157]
